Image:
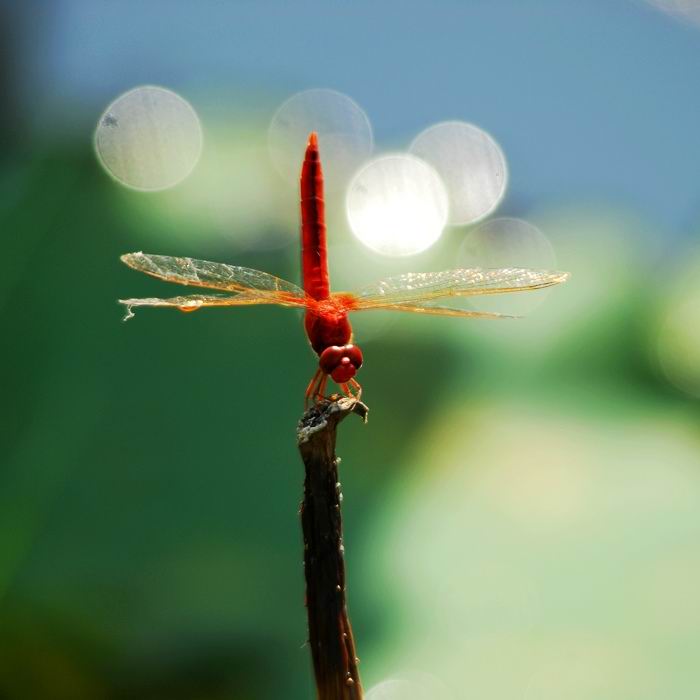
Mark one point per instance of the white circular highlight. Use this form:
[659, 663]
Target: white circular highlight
[149, 138]
[397, 205]
[343, 129]
[471, 164]
[507, 242]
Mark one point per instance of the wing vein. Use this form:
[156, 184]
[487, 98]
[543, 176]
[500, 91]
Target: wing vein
[219, 276]
[422, 287]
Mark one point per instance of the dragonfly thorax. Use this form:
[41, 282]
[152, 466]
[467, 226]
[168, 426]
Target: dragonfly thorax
[330, 335]
[341, 362]
[327, 327]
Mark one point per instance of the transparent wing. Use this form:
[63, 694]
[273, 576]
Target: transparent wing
[434, 310]
[197, 301]
[420, 287]
[212, 275]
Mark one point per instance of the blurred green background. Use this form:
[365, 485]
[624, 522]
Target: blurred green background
[522, 512]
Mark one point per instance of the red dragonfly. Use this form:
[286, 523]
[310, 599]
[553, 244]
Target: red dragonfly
[326, 313]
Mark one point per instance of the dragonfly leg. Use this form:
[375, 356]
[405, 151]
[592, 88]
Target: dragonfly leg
[357, 387]
[349, 392]
[322, 386]
[313, 385]
[357, 394]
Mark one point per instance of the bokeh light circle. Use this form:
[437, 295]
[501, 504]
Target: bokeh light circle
[680, 9]
[344, 135]
[507, 242]
[149, 138]
[389, 690]
[415, 686]
[397, 205]
[470, 163]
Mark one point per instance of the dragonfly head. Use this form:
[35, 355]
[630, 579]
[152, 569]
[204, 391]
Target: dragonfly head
[341, 362]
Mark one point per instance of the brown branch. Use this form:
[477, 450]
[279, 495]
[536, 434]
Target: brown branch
[330, 634]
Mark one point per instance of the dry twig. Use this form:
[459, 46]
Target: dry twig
[330, 634]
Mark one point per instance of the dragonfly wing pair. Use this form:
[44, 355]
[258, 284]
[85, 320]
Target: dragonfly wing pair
[244, 285]
[413, 292]
[417, 291]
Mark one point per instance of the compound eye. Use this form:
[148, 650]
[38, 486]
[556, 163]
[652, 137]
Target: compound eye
[344, 372]
[355, 355]
[330, 358]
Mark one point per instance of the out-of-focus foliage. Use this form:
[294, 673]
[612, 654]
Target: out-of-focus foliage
[522, 511]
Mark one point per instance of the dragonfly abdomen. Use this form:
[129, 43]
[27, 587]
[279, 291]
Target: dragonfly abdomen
[314, 254]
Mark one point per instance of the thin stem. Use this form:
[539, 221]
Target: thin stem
[330, 634]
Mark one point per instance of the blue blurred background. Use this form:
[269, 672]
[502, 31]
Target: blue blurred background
[522, 511]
